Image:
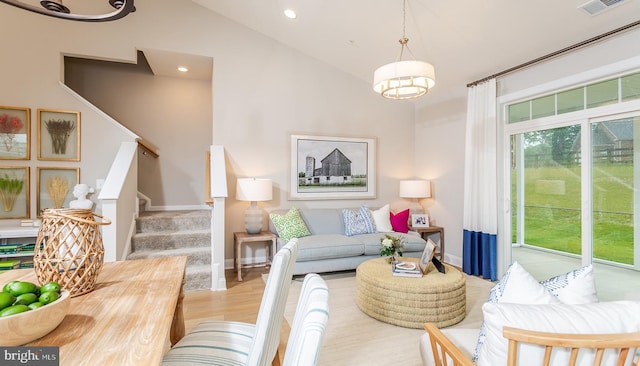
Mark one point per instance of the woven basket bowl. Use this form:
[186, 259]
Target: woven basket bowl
[23, 328]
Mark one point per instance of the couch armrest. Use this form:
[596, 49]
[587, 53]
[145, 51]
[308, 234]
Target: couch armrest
[445, 349]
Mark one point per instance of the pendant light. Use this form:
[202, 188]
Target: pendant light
[404, 79]
[56, 9]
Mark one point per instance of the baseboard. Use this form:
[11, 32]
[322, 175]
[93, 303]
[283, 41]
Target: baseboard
[453, 260]
[228, 263]
[179, 208]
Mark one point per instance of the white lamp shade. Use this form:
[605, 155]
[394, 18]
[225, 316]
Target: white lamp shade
[252, 189]
[415, 188]
[404, 79]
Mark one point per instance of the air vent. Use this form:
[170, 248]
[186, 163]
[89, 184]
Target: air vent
[595, 7]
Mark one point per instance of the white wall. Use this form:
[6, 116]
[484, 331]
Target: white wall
[609, 51]
[439, 146]
[30, 73]
[171, 114]
[257, 107]
[262, 92]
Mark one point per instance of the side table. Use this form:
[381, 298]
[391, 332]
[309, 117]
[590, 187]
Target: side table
[242, 238]
[427, 232]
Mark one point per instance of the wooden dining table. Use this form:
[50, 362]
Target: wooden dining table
[130, 317]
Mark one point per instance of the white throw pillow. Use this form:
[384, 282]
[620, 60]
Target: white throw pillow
[381, 218]
[574, 287]
[520, 287]
[592, 318]
[515, 286]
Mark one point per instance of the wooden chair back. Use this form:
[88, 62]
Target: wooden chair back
[622, 343]
[445, 353]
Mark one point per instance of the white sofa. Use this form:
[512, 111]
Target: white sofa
[561, 304]
[328, 249]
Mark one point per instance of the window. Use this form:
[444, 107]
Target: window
[571, 100]
[543, 107]
[602, 93]
[598, 94]
[631, 87]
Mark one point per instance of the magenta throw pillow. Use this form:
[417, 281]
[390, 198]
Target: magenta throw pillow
[400, 221]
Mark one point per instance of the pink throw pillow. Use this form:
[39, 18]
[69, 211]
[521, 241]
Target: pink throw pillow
[400, 221]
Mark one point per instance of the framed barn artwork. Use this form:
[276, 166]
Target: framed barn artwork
[330, 167]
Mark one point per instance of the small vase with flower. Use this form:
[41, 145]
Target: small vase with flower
[391, 247]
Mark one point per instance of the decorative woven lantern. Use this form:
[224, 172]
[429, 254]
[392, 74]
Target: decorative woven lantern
[69, 249]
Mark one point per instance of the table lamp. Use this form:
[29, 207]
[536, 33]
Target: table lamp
[254, 190]
[415, 189]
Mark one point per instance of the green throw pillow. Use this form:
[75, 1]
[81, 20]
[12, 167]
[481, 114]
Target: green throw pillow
[289, 225]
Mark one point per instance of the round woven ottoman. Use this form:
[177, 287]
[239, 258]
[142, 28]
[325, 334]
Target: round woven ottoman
[410, 302]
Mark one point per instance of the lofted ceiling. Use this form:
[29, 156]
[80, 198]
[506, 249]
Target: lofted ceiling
[464, 40]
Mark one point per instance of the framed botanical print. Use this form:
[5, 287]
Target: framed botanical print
[14, 192]
[58, 135]
[55, 187]
[15, 137]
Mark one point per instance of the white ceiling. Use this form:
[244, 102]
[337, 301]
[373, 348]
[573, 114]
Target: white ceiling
[465, 40]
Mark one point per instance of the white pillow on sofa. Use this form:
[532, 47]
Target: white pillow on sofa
[574, 287]
[381, 218]
[593, 318]
[515, 286]
[519, 287]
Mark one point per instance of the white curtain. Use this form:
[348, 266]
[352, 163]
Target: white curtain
[479, 255]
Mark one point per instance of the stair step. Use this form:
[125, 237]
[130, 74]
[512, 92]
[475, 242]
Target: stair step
[170, 240]
[175, 233]
[198, 277]
[150, 221]
[195, 256]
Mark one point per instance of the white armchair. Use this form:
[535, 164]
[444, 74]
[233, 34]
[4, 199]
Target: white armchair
[560, 306]
[591, 349]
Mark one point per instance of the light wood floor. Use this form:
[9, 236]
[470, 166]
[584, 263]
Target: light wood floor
[240, 302]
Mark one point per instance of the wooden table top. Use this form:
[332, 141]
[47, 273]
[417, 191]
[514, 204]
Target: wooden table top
[125, 320]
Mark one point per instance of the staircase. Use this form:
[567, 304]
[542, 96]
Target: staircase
[174, 233]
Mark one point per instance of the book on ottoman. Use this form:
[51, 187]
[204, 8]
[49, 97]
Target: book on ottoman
[405, 269]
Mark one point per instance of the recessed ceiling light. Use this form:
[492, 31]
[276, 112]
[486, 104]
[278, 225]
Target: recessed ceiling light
[290, 14]
[182, 69]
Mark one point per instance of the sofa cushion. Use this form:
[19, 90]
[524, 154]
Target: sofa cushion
[400, 221]
[328, 246]
[413, 242]
[358, 221]
[289, 225]
[323, 220]
[592, 318]
[382, 219]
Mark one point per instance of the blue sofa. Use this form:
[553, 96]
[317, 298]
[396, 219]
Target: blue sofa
[328, 249]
